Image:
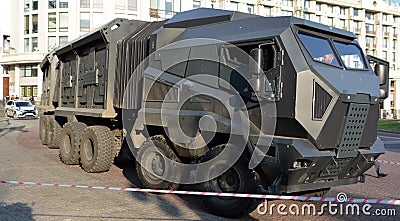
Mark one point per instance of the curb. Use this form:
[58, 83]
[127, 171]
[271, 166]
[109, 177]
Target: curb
[389, 131]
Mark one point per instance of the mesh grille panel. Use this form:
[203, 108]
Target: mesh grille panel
[353, 130]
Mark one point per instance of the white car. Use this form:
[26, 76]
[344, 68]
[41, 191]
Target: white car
[20, 109]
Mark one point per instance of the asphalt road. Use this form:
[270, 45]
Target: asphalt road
[391, 141]
[23, 158]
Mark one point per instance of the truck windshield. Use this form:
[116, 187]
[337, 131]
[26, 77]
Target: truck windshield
[321, 50]
[351, 55]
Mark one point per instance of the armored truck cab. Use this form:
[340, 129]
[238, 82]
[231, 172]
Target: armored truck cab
[296, 102]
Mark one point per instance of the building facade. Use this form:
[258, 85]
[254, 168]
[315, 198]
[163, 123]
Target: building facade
[34, 27]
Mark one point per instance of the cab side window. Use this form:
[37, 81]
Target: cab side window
[9, 103]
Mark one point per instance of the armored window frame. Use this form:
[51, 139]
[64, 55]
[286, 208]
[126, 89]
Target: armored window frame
[338, 62]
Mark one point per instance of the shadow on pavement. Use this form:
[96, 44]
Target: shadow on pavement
[16, 211]
[166, 202]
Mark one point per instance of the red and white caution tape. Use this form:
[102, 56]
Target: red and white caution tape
[388, 162]
[240, 195]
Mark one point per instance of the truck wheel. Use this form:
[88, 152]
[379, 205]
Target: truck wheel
[70, 138]
[156, 161]
[237, 179]
[43, 129]
[54, 132]
[96, 149]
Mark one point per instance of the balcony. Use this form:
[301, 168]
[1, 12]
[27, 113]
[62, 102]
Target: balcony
[386, 34]
[370, 45]
[370, 32]
[394, 35]
[357, 30]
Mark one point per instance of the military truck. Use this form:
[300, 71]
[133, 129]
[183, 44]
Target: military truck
[295, 102]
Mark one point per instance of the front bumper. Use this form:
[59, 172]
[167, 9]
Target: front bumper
[302, 167]
[23, 114]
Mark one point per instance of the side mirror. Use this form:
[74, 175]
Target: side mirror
[258, 55]
[382, 71]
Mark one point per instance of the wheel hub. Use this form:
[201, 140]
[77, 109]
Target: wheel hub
[157, 165]
[229, 181]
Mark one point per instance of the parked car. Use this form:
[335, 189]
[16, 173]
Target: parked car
[20, 109]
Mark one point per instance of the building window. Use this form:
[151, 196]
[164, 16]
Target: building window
[307, 16]
[394, 57]
[26, 44]
[169, 7]
[35, 5]
[52, 4]
[35, 44]
[286, 13]
[287, 3]
[120, 4]
[26, 91]
[34, 23]
[63, 40]
[385, 43]
[27, 6]
[97, 3]
[250, 8]
[132, 5]
[52, 22]
[384, 55]
[370, 41]
[29, 71]
[63, 22]
[356, 12]
[342, 11]
[343, 24]
[196, 4]
[318, 18]
[163, 8]
[369, 15]
[63, 3]
[330, 21]
[307, 4]
[318, 6]
[85, 22]
[329, 9]
[384, 17]
[394, 44]
[26, 24]
[234, 6]
[85, 3]
[52, 42]
[268, 10]
[369, 28]
[6, 44]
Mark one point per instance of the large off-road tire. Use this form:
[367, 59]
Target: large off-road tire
[155, 161]
[54, 132]
[237, 179]
[70, 139]
[43, 132]
[97, 149]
